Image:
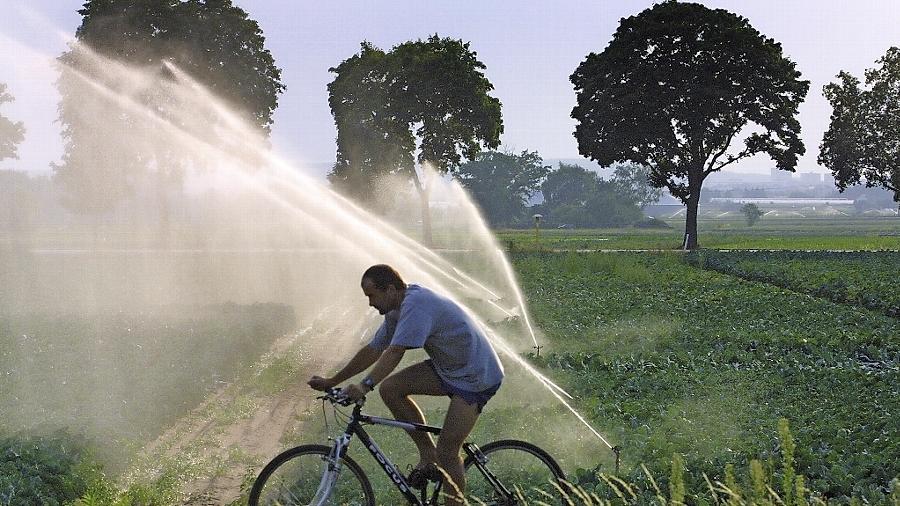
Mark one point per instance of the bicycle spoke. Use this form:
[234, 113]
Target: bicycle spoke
[306, 476]
[526, 473]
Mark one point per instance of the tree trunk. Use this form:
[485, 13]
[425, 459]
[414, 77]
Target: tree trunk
[162, 200]
[690, 225]
[422, 189]
[427, 239]
[95, 231]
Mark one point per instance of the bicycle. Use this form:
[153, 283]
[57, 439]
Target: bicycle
[505, 472]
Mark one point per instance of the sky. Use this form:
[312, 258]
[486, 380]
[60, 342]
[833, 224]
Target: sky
[530, 49]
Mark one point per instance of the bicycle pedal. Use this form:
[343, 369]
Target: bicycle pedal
[419, 477]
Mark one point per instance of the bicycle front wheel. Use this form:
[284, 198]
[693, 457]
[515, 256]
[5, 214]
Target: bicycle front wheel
[308, 475]
[514, 472]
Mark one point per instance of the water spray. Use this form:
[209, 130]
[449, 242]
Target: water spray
[351, 216]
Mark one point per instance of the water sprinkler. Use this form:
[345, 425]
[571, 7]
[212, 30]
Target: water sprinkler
[167, 70]
[537, 349]
[537, 226]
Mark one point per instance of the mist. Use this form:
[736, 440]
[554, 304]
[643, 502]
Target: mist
[180, 248]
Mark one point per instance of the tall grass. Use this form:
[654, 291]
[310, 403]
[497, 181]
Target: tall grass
[761, 485]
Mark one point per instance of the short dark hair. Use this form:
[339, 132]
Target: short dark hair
[383, 275]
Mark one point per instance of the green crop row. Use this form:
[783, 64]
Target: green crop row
[766, 483]
[671, 359]
[122, 378]
[864, 278]
[60, 468]
[47, 470]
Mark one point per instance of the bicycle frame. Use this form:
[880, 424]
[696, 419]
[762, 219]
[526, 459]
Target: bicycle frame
[354, 427]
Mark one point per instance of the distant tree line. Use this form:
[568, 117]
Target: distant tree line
[577, 197]
[502, 184]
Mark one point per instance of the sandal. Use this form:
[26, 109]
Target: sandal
[420, 476]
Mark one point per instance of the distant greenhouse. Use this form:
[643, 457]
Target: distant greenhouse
[779, 201]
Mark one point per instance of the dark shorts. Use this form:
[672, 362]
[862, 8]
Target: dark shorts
[477, 398]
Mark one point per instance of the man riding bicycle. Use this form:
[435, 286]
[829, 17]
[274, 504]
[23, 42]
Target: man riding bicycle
[462, 365]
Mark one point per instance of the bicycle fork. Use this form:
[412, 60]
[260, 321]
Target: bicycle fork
[332, 471]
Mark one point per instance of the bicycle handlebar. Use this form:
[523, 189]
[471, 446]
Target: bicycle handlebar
[338, 396]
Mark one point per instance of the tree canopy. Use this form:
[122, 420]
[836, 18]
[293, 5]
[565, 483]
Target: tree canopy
[863, 139]
[633, 180]
[370, 142]
[676, 86]
[11, 132]
[212, 40]
[502, 182]
[437, 87]
[569, 184]
[428, 96]
[576, 196]
[752, 212]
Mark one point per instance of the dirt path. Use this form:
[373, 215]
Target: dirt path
[258, 438]
[217, 450]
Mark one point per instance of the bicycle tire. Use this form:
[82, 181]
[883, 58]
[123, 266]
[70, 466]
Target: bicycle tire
[304, 467]
[524, 469]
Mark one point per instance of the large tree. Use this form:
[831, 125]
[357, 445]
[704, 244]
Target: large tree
[678, 84]
[502, 182]
[370, 142]
[11, 132]
[212, 40]
[863, 140]
[428, 96]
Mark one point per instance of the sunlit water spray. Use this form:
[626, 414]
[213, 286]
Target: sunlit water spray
[281, 209]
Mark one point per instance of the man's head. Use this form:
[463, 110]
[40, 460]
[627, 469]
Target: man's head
[384, 287]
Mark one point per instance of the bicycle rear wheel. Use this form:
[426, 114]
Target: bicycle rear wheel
[527, 472]
[306, 475]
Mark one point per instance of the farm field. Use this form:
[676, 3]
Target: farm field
[791, 234]
[671, 358]
[865, 278]
[665, 353]
[126, 376]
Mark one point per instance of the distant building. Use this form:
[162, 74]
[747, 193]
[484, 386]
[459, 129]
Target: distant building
[810, 178]
[777, 175]
[783, 201]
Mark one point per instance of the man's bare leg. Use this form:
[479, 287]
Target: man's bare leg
[461, 417]
[417, 379]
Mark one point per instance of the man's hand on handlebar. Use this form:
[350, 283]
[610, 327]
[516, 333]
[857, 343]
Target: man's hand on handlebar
[321, 384]
[356, 392]
[353, 392]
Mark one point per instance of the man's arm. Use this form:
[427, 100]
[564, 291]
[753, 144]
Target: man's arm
[359, 363]
[385, 365]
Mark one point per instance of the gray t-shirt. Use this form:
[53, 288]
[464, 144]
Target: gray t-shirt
[457, 345]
